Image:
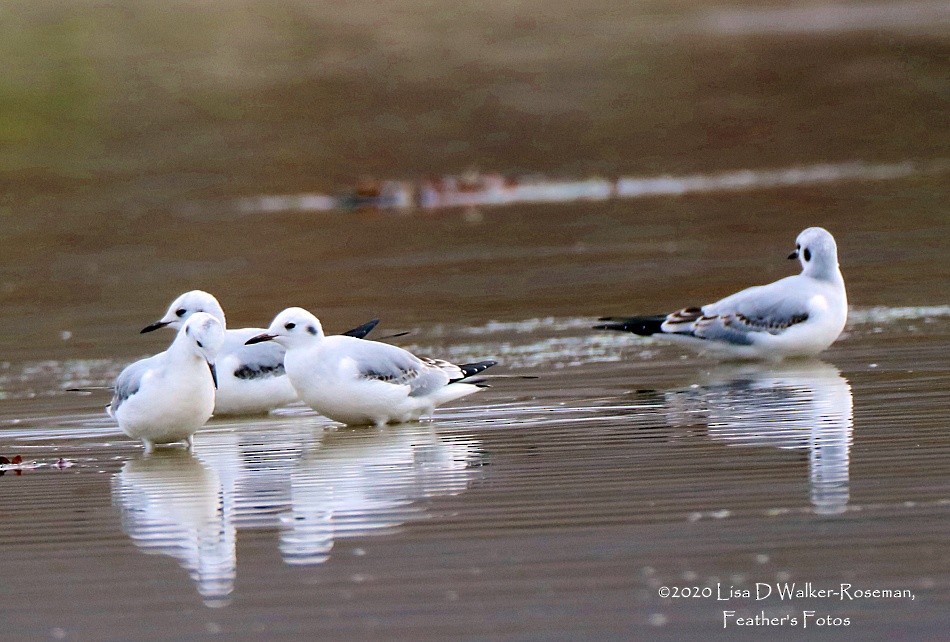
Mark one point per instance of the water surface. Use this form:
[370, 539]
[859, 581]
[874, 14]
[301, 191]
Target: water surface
[555, 507]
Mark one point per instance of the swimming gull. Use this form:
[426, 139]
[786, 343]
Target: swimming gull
[252, 380]
[797, 316]
[167, 397]
[361, 382]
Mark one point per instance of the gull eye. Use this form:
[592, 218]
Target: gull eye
[199, 344]
[290, 326]
[807, 254]
[798, 246]
[180, 312]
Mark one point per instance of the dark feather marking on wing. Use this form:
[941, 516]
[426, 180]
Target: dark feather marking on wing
[435, 363]
[686, 315]
[405, 375]
[762, 323]
[260, 372]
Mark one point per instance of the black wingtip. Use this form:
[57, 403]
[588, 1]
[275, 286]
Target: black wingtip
[469, 369]
[395, 335]
[88, 390]
[643, 326]
[361, 331]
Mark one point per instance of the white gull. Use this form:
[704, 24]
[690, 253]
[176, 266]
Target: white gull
[361, 382]
[251, 379]
[797, 316]
[168, 397]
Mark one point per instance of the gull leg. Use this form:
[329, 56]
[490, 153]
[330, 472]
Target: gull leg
[149, 446]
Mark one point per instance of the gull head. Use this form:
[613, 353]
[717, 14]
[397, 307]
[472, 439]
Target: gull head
[204, 335]
[186, 305]
[816, 250]
[292, 327]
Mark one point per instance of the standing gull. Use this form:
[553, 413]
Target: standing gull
[797, 316]
[364, 382]
[252, 378]
[167, 397]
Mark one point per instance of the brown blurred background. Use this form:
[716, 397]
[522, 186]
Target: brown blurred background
[127, 129]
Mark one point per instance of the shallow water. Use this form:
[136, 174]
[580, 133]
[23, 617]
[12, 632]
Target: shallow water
[551, 507]
[535, 508]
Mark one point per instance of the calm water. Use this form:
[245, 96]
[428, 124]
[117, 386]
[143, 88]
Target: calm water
[555, 507]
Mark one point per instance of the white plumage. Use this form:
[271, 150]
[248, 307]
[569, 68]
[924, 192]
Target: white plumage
[359, 382]
[797, 316]
[168, 397]
[252, 379]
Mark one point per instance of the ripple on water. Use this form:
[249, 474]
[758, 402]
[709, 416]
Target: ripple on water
[555, 342]
[587, 474]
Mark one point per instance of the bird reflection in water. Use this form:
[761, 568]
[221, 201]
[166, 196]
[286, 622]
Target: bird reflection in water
[794, 405]
[357, 482]
[313, 487]
[171, 505]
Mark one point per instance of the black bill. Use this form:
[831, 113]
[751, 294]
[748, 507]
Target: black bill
[154, 326]
[259, 339]
[214, 374]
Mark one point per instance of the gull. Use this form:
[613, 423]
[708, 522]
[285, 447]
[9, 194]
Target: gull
[360, 382]
[252, 380]
[798, 316]
[168, 397]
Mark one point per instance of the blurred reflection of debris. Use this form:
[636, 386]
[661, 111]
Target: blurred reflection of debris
[473, 188]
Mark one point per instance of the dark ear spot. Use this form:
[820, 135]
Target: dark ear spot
[807, 254]
[311, 329]
[188, 330]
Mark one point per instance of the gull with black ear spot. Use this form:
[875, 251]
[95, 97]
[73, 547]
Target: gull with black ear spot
[252, 378]
[168, 397]
[798, 316]
[359, 382]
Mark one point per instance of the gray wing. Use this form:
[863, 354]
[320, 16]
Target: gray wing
[257, 361]
[128, 383]
[738, 318]
[389, 364]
